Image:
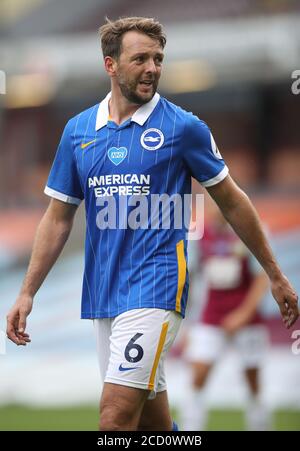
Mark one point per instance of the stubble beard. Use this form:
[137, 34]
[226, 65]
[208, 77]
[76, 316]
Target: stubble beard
[129, 91]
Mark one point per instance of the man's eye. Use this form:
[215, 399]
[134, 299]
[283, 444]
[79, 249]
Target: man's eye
[139, 59]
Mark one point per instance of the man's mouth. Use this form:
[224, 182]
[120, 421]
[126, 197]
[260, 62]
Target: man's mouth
[146, 82]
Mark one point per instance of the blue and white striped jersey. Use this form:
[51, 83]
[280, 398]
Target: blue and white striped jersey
[119, 170]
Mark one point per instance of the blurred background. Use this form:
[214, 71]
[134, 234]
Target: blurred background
[231, 63]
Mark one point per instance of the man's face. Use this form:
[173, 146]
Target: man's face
[139, 67]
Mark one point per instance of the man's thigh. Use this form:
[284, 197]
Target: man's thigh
[139, 342]
[155, 415]
[102, 329]
[121, 407]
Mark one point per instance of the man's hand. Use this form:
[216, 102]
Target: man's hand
[16, 320]
[50, 238]
[235, 320]
[287, 299]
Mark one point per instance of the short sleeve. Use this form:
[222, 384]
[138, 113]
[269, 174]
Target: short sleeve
[63, 181]
[201, 153]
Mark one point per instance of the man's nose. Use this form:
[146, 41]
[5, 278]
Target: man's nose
[151, 66]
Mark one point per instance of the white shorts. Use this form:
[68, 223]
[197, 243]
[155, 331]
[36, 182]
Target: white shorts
[132, 347]
[207, 343]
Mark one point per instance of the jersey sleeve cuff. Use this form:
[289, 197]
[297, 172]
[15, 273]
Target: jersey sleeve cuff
[217, 179]
[61, 196]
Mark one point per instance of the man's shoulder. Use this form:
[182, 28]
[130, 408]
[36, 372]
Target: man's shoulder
[188, 116]
[172, 107]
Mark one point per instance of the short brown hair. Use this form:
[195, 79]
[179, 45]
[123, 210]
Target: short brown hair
[111, 33]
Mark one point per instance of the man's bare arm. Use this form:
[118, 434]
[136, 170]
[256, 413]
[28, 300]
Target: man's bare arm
[51, 236]
[241, 214]
[243, 314]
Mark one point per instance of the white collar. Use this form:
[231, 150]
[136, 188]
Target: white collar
[140, 116]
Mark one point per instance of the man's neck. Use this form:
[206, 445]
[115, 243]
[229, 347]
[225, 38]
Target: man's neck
[120, 109]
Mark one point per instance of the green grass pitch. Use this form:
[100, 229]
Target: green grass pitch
[85, 418]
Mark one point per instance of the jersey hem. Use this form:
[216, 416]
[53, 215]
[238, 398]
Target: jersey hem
[114, 313]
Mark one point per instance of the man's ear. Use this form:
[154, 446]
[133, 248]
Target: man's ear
[110, 65]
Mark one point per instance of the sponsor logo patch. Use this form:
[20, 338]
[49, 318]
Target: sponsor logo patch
[152, 139]
[122, 368]
[117, 154]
